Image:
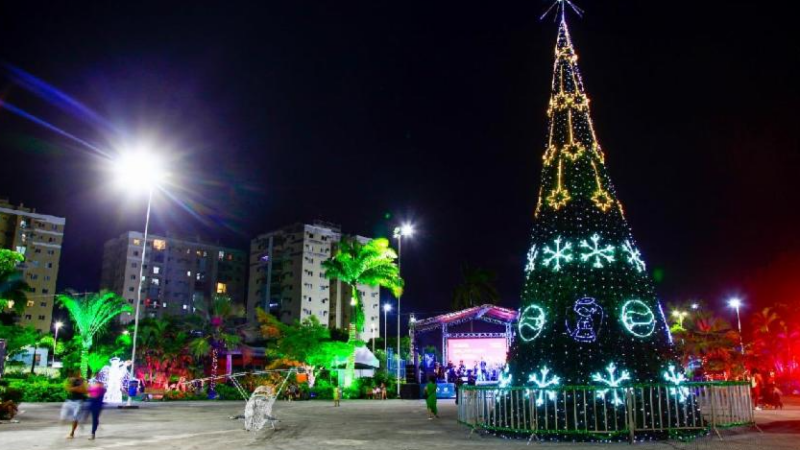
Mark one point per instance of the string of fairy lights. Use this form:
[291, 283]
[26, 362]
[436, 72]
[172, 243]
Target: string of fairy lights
[589, 311]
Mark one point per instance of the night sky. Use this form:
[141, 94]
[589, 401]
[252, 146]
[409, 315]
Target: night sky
[434, 112]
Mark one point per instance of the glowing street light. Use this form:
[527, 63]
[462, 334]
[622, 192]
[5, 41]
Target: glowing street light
[57, 326]
[403, 231]
[386, 308]
[139, 171]
[695, 306]
[736, 303]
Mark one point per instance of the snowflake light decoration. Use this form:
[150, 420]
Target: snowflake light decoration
[542, 383]
[612, 382]
[558, 255]
[634, 256]
[597, 252]
[679, 391]
[532, 253]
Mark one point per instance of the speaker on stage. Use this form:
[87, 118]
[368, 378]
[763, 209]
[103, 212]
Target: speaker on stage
[410, 391]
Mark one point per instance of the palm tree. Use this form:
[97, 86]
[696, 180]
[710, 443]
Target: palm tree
[372, 264]
[162, 345]
[219, 330]
[711, 340]
[477, 288]
[12, 286]
[91, 313]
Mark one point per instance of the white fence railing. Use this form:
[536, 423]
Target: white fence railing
[654, 410]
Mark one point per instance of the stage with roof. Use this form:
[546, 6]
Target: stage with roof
[467, 346]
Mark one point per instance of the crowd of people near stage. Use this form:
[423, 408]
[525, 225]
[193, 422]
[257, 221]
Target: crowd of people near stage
[478, 372]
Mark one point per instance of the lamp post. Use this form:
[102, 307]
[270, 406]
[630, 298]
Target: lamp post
[386, 308]
[139, 170]
[406, 230]
[57, 326]
[735, 303]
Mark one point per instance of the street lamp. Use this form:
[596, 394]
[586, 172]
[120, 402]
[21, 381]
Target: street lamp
[405, 230]
[735, 303]
[695, 306]
[139, 171]
[386, 308]
[57, 326]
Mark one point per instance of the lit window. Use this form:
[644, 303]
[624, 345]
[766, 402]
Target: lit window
[221, 255]
[188, 273]
[137, 242]
[30, 303]
[156, 270]
[21, 250]
[222, 288]
[159, 244]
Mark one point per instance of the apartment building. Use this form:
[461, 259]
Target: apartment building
[39, 238]
[287, 278]
[180, 274]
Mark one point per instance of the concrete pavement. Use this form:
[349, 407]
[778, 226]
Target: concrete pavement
[367, 424]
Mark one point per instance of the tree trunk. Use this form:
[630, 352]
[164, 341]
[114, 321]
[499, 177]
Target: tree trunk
[350, 369]
[33, 360]
[352, 331]
[84, 361]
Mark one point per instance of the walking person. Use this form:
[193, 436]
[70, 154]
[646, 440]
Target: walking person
[430, 398]
[757, 384]
[95, 404]
[72, 410]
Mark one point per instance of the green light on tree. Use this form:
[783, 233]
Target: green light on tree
[91, 313]
[371, 264]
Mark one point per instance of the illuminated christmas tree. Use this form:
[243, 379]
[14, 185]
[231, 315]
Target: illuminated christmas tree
[589, 312]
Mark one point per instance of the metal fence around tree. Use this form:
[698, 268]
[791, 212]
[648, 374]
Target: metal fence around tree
[642, 411]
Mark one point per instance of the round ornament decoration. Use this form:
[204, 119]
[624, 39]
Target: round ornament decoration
[638, 318]
[531, 323]
[584, 320]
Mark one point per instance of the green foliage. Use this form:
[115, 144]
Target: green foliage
[37, 389]
[303, 340]
[324, 354]
[225, 392]
[171, 396]
[12, 286]
[372, 264]
[91, 313]
[17, 337]
[354, 264]
[161, 349]
[9, 260]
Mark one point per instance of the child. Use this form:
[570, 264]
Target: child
[430, 398]
[337, 394]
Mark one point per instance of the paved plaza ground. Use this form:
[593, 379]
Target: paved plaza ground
[358, 424]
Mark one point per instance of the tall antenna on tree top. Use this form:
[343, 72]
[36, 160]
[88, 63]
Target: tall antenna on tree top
[560, 7]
